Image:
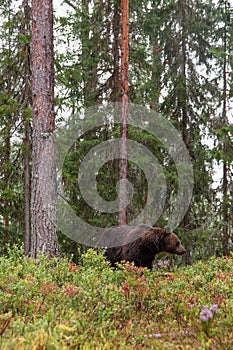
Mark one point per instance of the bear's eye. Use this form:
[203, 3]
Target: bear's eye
[177, 244]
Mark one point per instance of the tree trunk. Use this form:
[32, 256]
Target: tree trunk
[124, 110]
[6, 177]
[225, 180]
[185, 132]
[225, 240]
[27, 189]
[43, 203]
[115, 48]
[225, 211]
[27, 102]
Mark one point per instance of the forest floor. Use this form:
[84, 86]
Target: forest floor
[51, 304]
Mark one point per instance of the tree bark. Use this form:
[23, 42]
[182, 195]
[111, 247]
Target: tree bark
[124, 110]
[27, 102]
[115, 96]
[27, 189]
[225, 240]
[43, 201]
[6, 177]
[185, 120]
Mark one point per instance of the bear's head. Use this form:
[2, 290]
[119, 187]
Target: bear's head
[172, 243]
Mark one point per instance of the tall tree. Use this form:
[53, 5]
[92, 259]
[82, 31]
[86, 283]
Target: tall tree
[115, 82]
[124, 109]
[43, 203]
[225, 122]
[25, 104]
[185, 91]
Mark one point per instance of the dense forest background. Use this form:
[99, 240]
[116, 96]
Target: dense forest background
[181, 65]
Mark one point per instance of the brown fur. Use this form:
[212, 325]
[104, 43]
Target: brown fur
[140, 244]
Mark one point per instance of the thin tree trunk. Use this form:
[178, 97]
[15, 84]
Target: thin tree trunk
[43, 206]
[225, 211]
[224, 118]
[185, 132]
[124, 110]
[115, 49]
[27, 102]
[7, 160]
[27, 189]
[116, 95]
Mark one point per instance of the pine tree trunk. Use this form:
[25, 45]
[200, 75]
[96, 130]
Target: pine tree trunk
[225, 179]
[116, 57]
[225, 211]
[185, 132]
[124, 110]
[43, 206]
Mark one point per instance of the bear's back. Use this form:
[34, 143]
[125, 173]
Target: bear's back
[118, 236]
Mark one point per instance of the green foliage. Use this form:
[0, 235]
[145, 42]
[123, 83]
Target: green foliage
[178, 51]
[14, 111]
[108, 174]
[56, 304]
[176, 56]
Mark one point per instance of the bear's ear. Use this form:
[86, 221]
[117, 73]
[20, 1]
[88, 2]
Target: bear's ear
[167, 230]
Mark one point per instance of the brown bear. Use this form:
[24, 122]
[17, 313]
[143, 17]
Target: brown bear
[140, 244]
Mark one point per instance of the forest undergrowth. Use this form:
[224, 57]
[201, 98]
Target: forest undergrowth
[54, 304]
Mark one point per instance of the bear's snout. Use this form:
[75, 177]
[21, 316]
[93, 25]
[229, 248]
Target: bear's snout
[182, 252]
